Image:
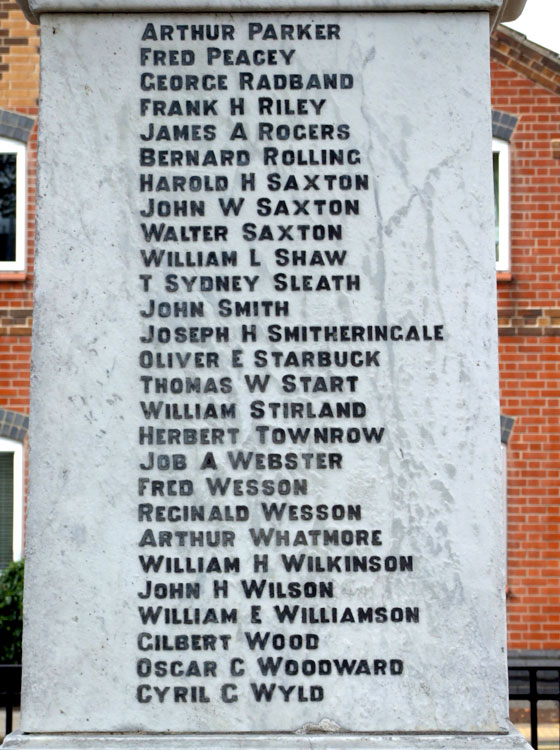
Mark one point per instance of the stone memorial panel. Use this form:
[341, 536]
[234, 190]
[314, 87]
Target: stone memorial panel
[264, 491]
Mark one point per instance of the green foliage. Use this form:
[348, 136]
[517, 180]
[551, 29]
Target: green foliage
[11, 613]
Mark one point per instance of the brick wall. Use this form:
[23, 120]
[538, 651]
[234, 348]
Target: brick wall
[526, 83]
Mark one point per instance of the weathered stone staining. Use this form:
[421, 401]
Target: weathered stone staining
[279, 468]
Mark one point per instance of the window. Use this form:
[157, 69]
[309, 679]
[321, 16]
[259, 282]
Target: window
[11, 501]
[500, 163]
[12, 205]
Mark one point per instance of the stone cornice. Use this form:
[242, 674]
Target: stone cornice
[499, 9]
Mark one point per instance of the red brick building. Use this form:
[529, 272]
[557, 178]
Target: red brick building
[526, 97]
[526, 126]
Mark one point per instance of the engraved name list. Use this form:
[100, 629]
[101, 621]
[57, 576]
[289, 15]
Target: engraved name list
[273, 559]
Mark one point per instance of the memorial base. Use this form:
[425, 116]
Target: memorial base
[311, 740]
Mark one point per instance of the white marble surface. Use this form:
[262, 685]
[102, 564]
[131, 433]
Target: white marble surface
[418, 115]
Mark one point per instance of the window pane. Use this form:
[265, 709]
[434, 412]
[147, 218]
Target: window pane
[548, 725]
[6, 508]
[520, 715]
[8, 207]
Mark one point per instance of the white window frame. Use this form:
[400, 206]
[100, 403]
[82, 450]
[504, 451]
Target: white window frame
[8, 146]
[502, 149]
[16, 448]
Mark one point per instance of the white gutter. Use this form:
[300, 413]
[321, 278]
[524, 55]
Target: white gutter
[510, 10]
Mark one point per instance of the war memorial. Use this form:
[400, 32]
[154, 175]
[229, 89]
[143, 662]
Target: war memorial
[265, 505]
